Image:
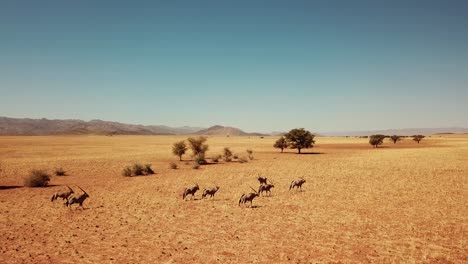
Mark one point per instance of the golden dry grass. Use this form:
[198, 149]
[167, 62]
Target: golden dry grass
[404, 203]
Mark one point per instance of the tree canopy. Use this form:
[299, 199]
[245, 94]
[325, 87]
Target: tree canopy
[299, 138]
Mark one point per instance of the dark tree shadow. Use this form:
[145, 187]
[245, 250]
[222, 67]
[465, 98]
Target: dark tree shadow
[4, 187]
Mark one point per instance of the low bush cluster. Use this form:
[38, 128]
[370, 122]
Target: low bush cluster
[137, 169]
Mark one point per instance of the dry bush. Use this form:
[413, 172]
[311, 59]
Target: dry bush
[37, 178]
[137, 170]
[147, 169]
[127, 171]
[60, 172]
[173, 165]
[195, 166]
[216, 158]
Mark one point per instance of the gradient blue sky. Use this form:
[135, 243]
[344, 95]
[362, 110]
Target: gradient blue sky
[258, 65]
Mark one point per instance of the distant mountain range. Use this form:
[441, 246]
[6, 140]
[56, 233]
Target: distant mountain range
[27, 126]
[226, 131]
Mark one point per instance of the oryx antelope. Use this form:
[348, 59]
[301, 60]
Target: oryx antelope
[62, 194]
[211, 192]
[262, 180]
[297, 184]
[248, 197]
[191, 191]
[77, 199]
[265, 188]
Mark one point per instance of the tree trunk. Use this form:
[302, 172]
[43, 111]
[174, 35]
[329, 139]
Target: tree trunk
[281, 150]
[299, 150]
[180, 158]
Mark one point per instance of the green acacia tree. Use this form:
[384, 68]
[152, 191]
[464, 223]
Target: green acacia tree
[299, 139]
[179, 149]
[281, 143]
[418, 138]
[376, 140]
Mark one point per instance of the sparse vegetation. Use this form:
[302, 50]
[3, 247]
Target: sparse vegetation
[179, 149]
[37, 178]
[281, 143]
[127, 171]
[173, 166]
[395, 138]
[137, 169]
[147, 169]
[299, 138]
[376, 140]
[235, 156]
[196, 166]
[250, 154]
[227, 154]
[60, 172]
[418, 138]
[199, 148]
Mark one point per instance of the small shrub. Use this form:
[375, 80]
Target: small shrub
[60, 172]
[147, 169]
[227, 154]
[173, 166]
[242, 160]
[37, 178]
[235, 156]
[138, 169]
[127, 171]
[195, 166]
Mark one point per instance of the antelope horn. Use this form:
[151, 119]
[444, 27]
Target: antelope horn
[83, 190]
[69, 188]
[253, 189]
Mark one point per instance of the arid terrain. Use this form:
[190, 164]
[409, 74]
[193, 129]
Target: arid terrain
[403, 203]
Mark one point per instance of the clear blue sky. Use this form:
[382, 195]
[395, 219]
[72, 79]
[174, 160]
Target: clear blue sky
[258, 65]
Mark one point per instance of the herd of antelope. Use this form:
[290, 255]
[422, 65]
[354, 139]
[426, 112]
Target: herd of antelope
[71, 198]
[264, 187]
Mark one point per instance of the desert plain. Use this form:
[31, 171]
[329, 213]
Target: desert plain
[400, 203]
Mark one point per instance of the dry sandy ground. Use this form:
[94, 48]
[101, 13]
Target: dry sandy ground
[404, 203]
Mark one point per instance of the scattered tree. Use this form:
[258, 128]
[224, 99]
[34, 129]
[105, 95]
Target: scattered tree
[300, 138]
[418, 138]
[376, 140]
[198, 145]
[281, 143]
[179, 149]
[395, 138]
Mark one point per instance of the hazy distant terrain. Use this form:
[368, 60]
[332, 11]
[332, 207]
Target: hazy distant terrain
[226, 131]
[402, 132]
[32, 127]
[27, 126]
